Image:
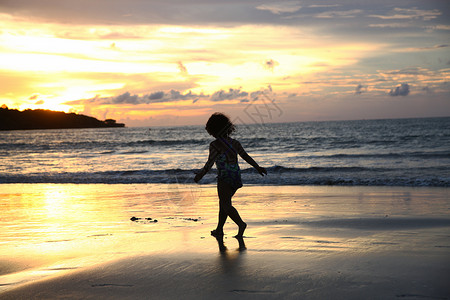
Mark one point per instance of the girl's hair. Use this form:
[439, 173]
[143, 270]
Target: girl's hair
[219, 125]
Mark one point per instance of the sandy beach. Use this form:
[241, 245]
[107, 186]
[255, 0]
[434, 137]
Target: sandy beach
[152, 241]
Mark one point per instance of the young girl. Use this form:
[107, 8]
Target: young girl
[223, 151]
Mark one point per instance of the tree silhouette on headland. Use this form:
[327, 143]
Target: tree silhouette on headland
[13, 119]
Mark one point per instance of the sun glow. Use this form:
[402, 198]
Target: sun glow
[64, 66]
[229, 60]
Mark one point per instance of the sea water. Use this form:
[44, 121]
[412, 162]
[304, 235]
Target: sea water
[394, 152]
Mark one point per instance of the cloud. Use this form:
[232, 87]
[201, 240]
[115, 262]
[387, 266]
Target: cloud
[108, 33]
[144, 52]
[230, 95]
[323, 5]
[427, 89]
[182, 68]
[339, 14]
[441, 27]
[410, 13]
[402, 90]
[392, 25]
[270, 64]
[177, 95]
[409, 71]
[147, 12]
[128, 98]
[170, 96]
[281, 7]
[33, 97]
[421, 49]
[435, 47]
[162, 97]
[263, 92]
[411, 25]
[360, 89]
[39, 102]
[125, 98]
[156, 96]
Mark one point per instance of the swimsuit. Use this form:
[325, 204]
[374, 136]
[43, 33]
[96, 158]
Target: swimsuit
[228, 172]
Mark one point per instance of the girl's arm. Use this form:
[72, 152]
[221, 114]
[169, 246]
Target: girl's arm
[213, 152]
[242, 153]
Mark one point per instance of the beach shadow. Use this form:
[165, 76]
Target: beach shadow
[223, 249]
[231, 260]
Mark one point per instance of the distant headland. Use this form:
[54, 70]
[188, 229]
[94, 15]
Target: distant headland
[13, 119]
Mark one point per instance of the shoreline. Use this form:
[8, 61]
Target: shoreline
[302, 242]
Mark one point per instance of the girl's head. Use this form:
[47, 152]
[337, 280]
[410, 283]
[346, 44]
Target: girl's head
[219, 125]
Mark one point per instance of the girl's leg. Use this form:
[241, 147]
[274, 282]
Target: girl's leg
[224, 203]
[222, 219]
[226, 209]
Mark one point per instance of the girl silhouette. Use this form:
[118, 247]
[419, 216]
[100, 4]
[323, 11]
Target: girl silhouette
[223, 151]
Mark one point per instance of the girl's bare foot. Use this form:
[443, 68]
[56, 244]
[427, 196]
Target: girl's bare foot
[241, 229]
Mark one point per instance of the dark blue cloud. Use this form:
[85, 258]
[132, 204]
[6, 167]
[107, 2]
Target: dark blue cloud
[360, 89]
[125, 98]
[231, 94]
[156, 96]
[166, 96]
[402, 90]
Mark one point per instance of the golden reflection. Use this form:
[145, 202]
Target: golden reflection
[64, 226]
[55, 198]
[65, 220]
[231, 260]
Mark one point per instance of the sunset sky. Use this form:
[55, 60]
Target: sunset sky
[174, 62]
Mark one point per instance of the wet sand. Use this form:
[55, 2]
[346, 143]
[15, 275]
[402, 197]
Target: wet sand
[79, 242]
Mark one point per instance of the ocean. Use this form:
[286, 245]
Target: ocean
[394, 152]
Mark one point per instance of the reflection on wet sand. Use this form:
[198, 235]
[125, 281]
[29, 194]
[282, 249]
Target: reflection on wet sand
[320, 242]
[224, 250]
[232, 262]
